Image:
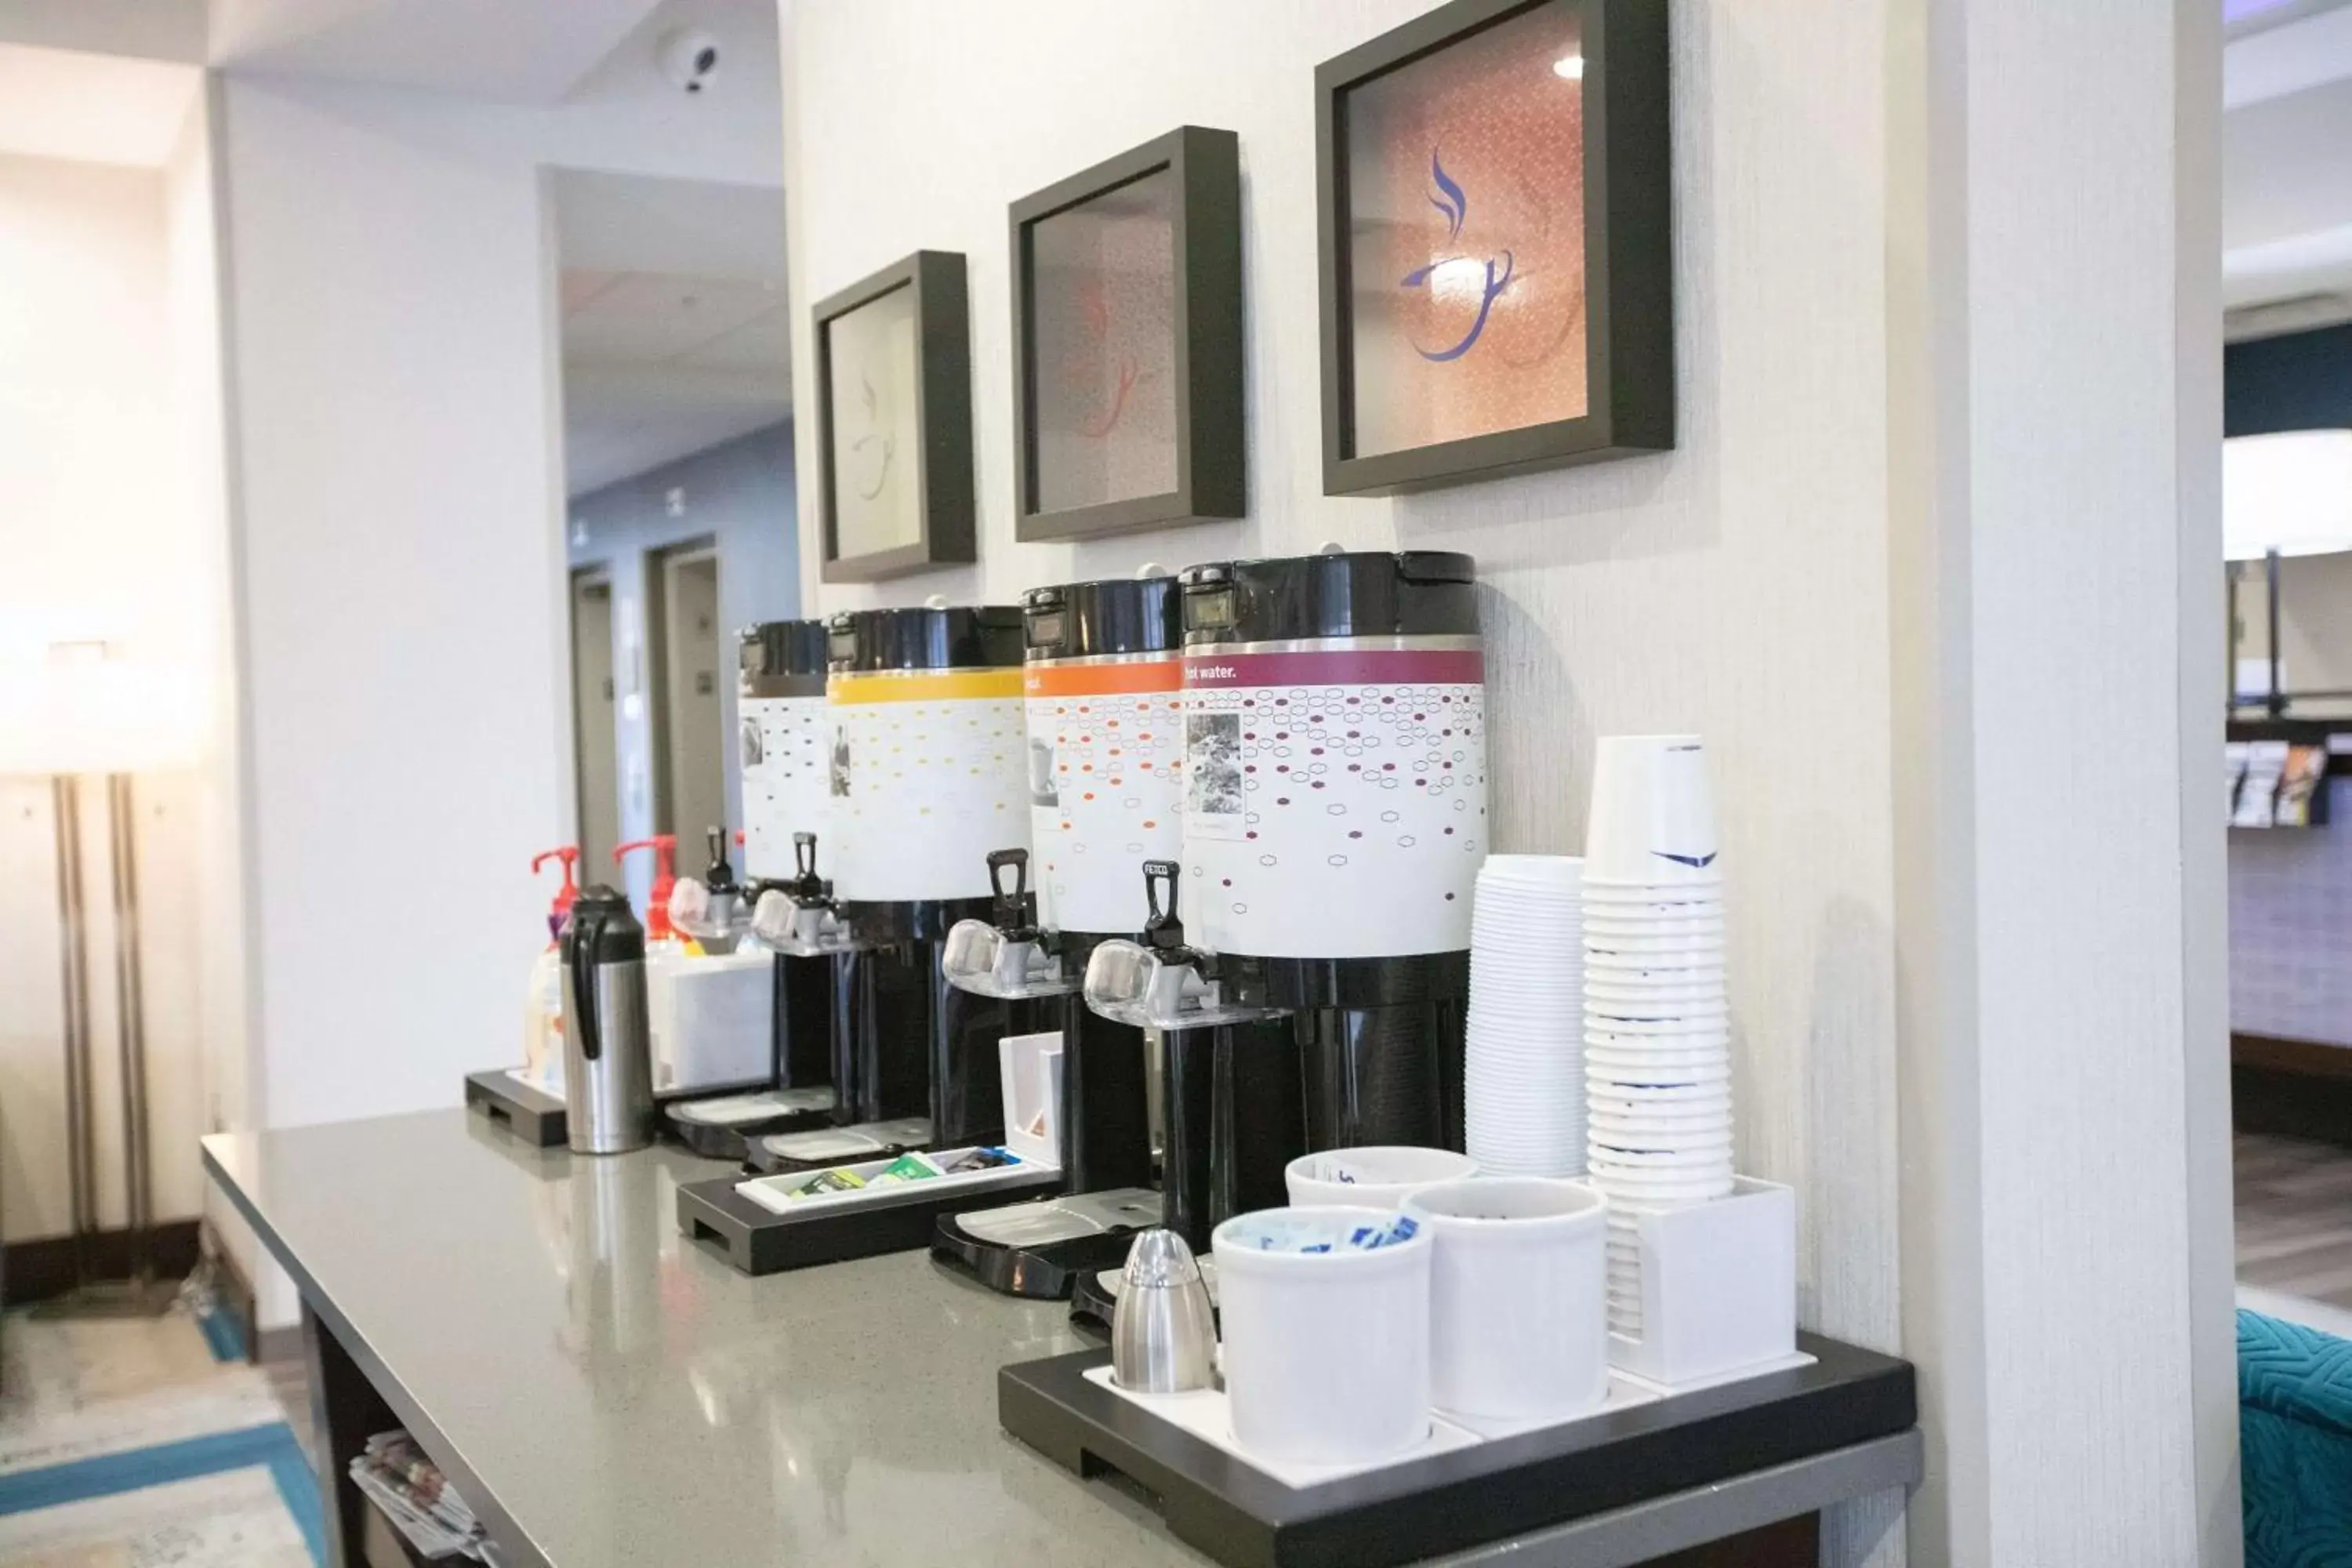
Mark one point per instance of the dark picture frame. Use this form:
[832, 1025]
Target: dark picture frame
[1205, 356]
[1628, 252]
[941, 457]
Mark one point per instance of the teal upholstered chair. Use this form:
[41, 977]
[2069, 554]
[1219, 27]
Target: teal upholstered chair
[2295, 1432]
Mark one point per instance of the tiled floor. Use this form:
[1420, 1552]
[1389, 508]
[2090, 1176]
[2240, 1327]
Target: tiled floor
[2294, 1218]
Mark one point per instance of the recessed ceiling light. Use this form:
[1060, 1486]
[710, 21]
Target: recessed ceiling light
[1569, 68]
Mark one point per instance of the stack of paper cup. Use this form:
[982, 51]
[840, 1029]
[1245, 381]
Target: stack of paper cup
[1657, 1018]
[1523, 1089]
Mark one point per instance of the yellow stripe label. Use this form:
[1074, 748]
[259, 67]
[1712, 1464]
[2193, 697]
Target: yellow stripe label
[923, 686]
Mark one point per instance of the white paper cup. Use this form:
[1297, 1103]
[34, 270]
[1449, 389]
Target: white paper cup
[1660, 1189]
[1661, 1195]
[1704, 1049]
[1607, 1143]
[1668, 1162]
[1599, 1088]
[1598, 1078]
[1683, 985]
[1602, 1106]
[1602, 927]
[1604, 894]
[1326, 1354]
[1686, 1032]
[1546, 871]
[1609, 1132]
[1379, 1177]
[1519, 1327]
[1599, 1068]
[1682, 1081]
[1652, 815]
[1602, 1014]
[1653, 966]
[1665, 1018]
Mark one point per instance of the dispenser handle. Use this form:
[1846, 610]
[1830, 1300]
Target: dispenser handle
[1161, 927]
[584, 942]
[804, 855]
[1009, 905]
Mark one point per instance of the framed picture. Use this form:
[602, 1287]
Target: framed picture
[894, 421]
[1494, 190]
[1127, 334]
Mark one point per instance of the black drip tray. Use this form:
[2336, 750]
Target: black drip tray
[1043, 1250]
[1682, 1444]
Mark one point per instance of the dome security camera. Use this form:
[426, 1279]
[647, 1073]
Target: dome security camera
[690, 58]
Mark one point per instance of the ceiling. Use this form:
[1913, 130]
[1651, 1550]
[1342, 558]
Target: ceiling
[507, 51]
[97, 109]
[675, 332]
[2286, 148]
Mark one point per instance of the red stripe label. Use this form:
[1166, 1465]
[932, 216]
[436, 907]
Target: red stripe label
[1338, 667]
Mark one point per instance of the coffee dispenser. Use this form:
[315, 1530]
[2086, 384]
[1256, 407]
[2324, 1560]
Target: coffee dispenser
[787, 798]
[927, 775]
[783, 739]
[1335, 817]
[1103, 682]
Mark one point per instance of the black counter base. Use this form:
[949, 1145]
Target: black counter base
[1452, 1500]
[532, 1115]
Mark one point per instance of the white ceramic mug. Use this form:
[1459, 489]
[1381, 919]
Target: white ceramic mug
[1326, 1354]
[1518, 1311]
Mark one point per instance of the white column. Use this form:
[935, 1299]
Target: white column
[398, 571]
[2054, 259]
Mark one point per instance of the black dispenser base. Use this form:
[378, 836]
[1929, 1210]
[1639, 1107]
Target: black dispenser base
[733, 1144]
[1093, 1300]
[513, 1106]
[758, 1240]
[1046, 1273]
[1450, 1501]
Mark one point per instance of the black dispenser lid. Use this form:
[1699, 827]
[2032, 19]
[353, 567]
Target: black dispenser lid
[602, 915]
[783, 648]
[1410, 593]
[1116, 615]
[947, 636]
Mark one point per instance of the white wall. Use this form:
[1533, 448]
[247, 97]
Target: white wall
[106, 529]
[1736, 586]
[398, 570]
[393, 367]
[2067, 1204]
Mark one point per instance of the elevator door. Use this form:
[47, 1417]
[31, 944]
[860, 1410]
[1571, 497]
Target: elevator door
[595, 753]
[694, 766]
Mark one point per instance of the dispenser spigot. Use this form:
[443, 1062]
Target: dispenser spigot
[1013, 906]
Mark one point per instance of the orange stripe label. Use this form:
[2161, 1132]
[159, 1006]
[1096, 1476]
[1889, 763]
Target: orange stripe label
[1103, 679]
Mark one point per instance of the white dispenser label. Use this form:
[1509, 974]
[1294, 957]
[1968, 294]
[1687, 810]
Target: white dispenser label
[786, 790]
[1105, 787]
[1335, 801]
[929, 772]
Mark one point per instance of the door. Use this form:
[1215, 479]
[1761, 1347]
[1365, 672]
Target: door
[595, 737]
[691, 756]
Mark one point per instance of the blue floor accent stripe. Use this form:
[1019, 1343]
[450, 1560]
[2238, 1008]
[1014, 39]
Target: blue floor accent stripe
[297, 1484]
[222, 1335]
[273, 1447]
